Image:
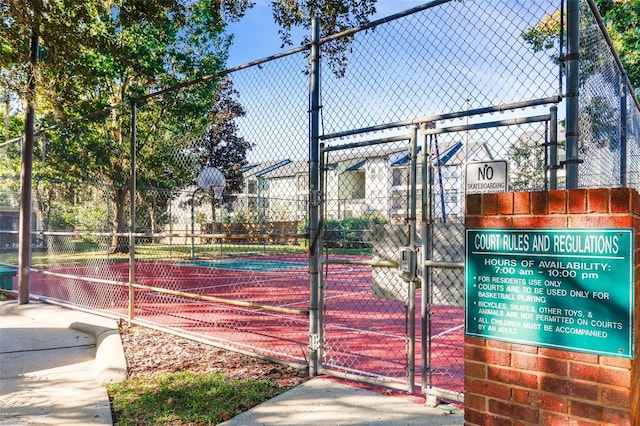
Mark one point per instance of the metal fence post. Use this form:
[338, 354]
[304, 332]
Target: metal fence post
[623, 130]
[573, 87]
[314, 199]
[26, 174]
[132, 208]
[413, 185]
[553, 148]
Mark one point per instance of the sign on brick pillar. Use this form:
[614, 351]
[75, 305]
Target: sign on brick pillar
[537, 353]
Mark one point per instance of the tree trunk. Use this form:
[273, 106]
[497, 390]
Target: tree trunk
[120, 243]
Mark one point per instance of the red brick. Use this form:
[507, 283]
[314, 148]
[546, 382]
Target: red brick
[475, 369]
[635, 203]
[505, 202]
[616, 417]
[476, 341]
[536, 363]
[473, 417]
[489, 204]
[599, 413]
[620, 200]
[514, 347]
[577, 201]
[512, 377]
[539, 221]
[586, 410]
[598, 200]
[489, 356]
[569, 387]
[616, 396]
[514, 411]
[574, 356]
[616, 362]
[521, 203]
[605, 221]
[489, 222]
[527, 397]
[557, 202]
[488, 389]
[474, 204]
[475, 402]
[474, 222]
[554, 419]
[539, 203]
[600, 374]
[555, 403]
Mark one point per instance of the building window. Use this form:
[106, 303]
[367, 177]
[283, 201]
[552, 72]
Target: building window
[400, 177]
[252, 187]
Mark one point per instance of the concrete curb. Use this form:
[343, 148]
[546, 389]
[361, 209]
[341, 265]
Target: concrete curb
[110, 362]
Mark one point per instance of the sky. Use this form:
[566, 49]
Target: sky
[256, 35]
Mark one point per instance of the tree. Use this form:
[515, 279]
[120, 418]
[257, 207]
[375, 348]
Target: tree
[599, 127]
[334, 16]
[97, 56]
[621, 18]
[220, 146]
[526, 160]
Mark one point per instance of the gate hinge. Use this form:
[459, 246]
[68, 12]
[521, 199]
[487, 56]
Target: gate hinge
[315, 198]
[314, 342]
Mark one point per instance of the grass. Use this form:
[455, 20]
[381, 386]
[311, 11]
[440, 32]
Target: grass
[83, 252]
[186, 398]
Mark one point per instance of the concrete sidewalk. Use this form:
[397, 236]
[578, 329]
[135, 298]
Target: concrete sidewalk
[326, 401]
[55, 363]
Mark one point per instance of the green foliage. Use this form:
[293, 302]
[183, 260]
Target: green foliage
[621, 18]
[346, 233]
[10, 175]
[83, 217]
[186, 398]
[334, 16]
[544, 35]
[526, 159]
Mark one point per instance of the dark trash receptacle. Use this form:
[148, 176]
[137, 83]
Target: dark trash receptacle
[6, 278]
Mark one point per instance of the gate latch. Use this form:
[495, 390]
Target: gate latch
[407, 264]
[314, 342]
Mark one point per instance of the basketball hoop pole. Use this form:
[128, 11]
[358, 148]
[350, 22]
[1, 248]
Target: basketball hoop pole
[212, 179]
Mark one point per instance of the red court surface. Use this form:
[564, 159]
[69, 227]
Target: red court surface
[362, 335]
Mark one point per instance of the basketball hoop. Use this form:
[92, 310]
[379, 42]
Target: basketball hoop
[212, 179]
[217, 191]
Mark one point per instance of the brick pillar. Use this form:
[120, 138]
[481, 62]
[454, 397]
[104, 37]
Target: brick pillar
[514, 384]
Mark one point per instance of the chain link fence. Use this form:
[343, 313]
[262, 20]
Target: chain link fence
[609, 124]
[198, 222]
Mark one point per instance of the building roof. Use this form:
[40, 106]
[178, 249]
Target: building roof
[259, 169]
[291, 168]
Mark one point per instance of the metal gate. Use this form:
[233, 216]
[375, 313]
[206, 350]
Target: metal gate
[392, 222]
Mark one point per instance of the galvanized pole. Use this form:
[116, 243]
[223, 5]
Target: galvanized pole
[427, 250]
[553, 148]
[132, 208]
[413, 230]
[315, 251]
[26, 174]
[573, 87]
[623, 131]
